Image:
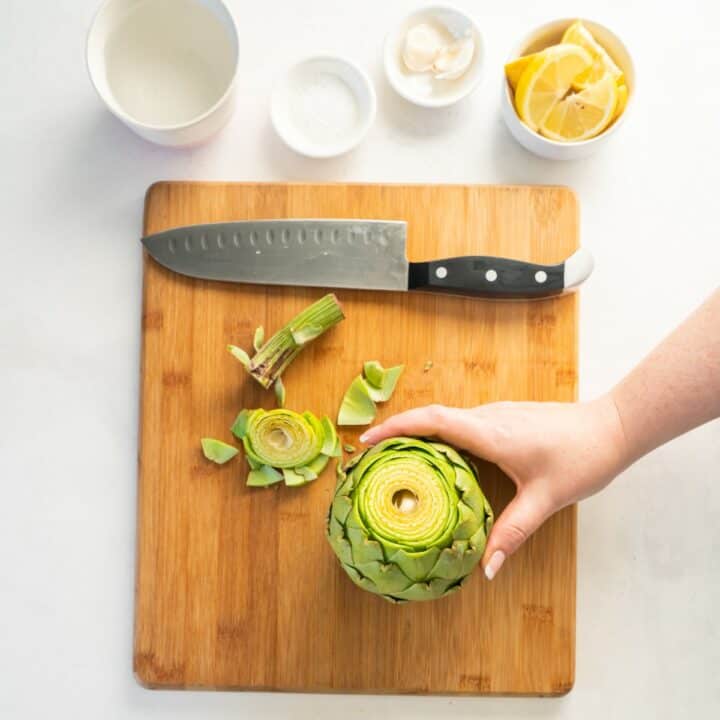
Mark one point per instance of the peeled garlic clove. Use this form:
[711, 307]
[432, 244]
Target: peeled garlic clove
[422, 44]
[454, 60]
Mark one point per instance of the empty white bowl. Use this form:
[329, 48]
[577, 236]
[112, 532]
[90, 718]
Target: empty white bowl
[537, 40]
[323, 106]
[166, 68]
[421, 88]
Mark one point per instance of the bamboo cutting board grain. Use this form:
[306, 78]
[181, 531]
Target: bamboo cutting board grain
[237, 587]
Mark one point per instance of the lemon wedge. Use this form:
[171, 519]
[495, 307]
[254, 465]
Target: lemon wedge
[622, 100]
[547, 79]
[581, 116]
[602, 63]
[515, 69]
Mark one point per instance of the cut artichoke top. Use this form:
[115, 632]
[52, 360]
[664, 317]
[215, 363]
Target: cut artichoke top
[298, 445]
[409, 520]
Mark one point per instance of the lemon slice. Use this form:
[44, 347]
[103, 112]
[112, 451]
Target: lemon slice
[583, 115]
[547, 79]
[622, 100]
[602, 63]
[515, 69]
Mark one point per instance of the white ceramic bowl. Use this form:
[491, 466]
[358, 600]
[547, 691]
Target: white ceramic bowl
[540, 38]
[323, 106]
[421, 88]
[166, 68]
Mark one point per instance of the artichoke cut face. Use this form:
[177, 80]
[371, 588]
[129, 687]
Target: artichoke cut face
[284, 445]
[282, 439]
[409, 520]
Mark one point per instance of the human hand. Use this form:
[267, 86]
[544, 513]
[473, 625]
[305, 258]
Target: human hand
[555, 453]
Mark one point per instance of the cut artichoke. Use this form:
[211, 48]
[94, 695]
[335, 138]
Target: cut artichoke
[285, 445]
[409, 520]
[272, 357]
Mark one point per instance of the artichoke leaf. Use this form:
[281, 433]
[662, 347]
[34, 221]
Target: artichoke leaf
[258, 338]
[218, 451]
[416, 566]
[357, 407]
[389, 579]
[380, 382]
[364, 550]
[263, 477]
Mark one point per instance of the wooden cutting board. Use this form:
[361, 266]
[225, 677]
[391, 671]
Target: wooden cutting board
[237, 587]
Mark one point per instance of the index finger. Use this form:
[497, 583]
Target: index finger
[456, 426]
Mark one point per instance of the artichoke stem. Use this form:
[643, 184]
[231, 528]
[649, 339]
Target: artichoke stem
[282, 348]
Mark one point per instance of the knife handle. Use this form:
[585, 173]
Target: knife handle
[500, 278]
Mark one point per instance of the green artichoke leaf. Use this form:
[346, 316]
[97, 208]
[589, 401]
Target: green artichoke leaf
[425, 590]
[240, 426]
[293, 478]
[388, 579]
[342, 549]
[357, 407]
[341, 507]
[307, 472]
[239, 354]
[318, 464]
[305, 334]
[416, 565]
[380, 382]
[258, 338]
[280, 394]
[450, 564]
[361, 581]
[253, 463]
[364, 549]
[218, 451]
[263, 477]
[468, 522]
[474, 552]
[330, 438]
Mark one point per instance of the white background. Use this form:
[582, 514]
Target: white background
[72, 180]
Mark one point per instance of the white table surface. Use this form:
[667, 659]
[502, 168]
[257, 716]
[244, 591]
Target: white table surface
[71, 191]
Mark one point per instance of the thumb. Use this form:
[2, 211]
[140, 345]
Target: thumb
[521, 518]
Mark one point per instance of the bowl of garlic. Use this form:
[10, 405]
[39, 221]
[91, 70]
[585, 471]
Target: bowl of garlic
[434, 57]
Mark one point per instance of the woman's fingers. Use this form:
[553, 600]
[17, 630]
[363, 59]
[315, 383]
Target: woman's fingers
[520, 519]
[454, 425]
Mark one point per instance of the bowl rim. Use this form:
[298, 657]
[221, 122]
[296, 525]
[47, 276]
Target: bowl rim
[478, 59]
[128, 119]
[516, 53]
[369, 109]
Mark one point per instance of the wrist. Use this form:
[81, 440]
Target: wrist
[611, 433]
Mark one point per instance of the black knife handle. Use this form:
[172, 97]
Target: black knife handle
[491, 277]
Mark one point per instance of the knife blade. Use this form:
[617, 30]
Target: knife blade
[359, 254]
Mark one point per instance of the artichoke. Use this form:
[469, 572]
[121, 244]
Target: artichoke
[408, 520]
[284, 445]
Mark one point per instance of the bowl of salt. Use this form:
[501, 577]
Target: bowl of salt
[323, 106]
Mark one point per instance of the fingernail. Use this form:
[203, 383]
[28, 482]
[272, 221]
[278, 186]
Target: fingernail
[495, 563]
[364, 437]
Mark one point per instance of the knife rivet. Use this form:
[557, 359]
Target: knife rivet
[540, 276]
[441, 272]
[491, 275]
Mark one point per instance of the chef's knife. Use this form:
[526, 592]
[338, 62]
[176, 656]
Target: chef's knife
[365, 254]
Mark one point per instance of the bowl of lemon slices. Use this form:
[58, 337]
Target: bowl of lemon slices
[567, 89]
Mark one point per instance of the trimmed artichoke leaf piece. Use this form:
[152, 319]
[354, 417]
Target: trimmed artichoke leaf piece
[279, 393]
[218, 451]
[357, 406]
[381, 382]
[408, 520]
[258, 338]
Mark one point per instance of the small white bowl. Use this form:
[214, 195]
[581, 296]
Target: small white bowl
[166, 69]
[421, 88]
[323, 106]
[538, 39]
